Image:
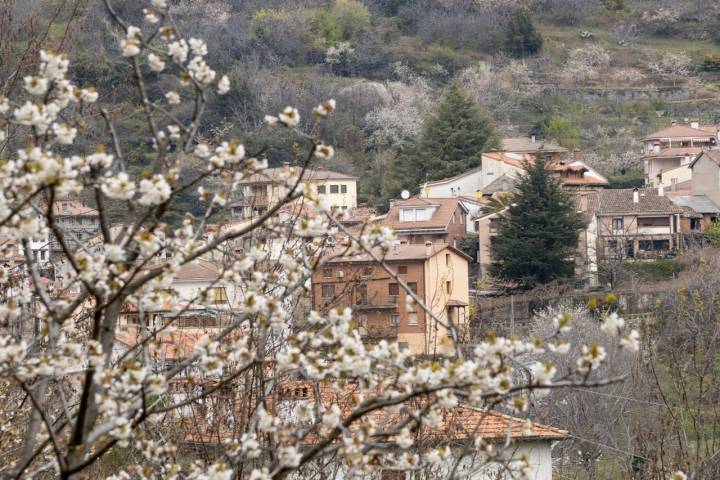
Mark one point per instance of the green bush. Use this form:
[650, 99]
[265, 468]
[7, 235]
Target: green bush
[711, 62]
[657, 270]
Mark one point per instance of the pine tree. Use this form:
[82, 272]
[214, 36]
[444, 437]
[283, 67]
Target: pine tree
[539, 232]
[522, 38]
[452, 141]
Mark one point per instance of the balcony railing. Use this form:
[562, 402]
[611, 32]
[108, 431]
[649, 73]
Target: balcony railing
[380, 330]
[252, 200]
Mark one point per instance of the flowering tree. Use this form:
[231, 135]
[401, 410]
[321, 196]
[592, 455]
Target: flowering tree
[74, 393]
[584, 64]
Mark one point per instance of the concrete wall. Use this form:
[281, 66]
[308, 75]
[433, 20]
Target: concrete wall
[466, 185]
[706, 179]
[445, 266]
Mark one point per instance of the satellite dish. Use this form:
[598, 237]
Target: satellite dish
[405, 194]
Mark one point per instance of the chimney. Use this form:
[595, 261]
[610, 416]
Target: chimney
[674, 122]
[532, 139]
[577, 154]
[428, 249]
[661, 190]
[636, 195]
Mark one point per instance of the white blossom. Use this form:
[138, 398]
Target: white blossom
[631, 341]
[119, 187]
[155, 63]
[223, 85]
[131, 44]
[64, 134]
[324, 151]
[198, 46]
[36, 85]
[178, 51]
[154, 191]
[290, 117]
[173, 98]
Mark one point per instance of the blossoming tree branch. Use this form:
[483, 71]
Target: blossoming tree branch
[272, 390]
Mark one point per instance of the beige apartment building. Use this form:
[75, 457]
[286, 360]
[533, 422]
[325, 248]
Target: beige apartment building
[437, 273]
[673, 147]
[262, 190]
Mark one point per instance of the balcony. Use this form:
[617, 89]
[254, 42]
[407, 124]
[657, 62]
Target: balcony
[252, 201]
[380, 329]
[377, 304]
[654, 230]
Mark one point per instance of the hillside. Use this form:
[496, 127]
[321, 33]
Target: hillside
[606, 72]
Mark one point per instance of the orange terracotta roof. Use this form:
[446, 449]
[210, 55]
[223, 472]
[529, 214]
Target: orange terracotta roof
[682, 131]
[199, 270]
[440, 219]
[674, 152]
[514, 159]
[169, 345]
[74, 208]
[462, 422]
[400, 252]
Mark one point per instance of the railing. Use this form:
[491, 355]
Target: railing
[252, 200]
[653, 230]
[376, 329]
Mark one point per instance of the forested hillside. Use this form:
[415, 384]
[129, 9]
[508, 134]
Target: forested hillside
[591, 74]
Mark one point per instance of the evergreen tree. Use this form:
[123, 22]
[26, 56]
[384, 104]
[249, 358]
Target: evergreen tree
[522, 38]
[452, 141]
[538, 233]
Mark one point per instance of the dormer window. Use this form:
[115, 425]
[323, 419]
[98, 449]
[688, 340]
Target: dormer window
[415, 214]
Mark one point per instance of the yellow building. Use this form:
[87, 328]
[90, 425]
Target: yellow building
[264, 189]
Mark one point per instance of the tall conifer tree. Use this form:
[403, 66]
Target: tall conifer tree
[452, 141]
[538, 234]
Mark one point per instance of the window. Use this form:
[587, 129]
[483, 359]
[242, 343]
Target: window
[395, 320]
[448, 287]
[654, 222]
[321, 189]
[334, 189]
[447, 259]
[361, 297]
[327, 272]
[694, 224]
[393, 289]
[412, 318]
[328, 291]
[217, 295]
[453, 217]
[343, 188]
[403, 346]
[367, 271]
[402, 270]
[413, 287]
[617, 223]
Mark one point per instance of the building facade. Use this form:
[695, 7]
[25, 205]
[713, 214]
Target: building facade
[262, 190]
[675, 146]
[435, 220]
[437, 273]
